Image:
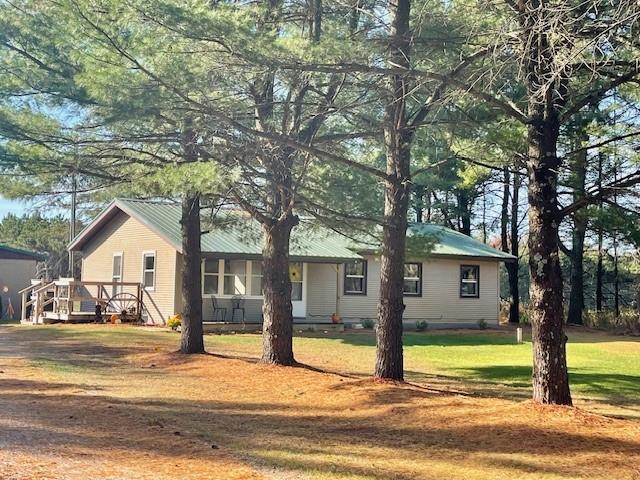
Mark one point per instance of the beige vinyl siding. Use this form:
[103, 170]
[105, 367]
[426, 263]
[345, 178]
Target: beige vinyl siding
[178, 282]
[127, 235]
[440, 301]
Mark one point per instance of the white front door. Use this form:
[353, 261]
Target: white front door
[298, 276]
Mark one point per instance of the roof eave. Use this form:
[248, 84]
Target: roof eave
[28, 254]
[294, 258]
[495, 258]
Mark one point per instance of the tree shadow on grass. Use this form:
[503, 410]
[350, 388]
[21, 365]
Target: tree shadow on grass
[285, 437]
[290, 436]
[618, 389]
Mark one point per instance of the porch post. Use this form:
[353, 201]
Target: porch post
[337, 290]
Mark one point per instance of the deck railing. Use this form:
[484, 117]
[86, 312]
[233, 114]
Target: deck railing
[69, 297]
[37, 297]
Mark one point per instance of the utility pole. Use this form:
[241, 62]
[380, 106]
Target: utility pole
[72, 223]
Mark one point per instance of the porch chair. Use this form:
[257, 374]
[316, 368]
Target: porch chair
[237, 305]
[219, 313]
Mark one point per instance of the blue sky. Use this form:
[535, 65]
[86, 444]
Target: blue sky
[11, 206]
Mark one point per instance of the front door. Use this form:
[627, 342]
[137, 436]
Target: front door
[298, 276]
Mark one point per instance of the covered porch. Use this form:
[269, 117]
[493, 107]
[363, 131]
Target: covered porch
[232, 291]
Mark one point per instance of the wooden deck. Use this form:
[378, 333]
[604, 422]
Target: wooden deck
[74, 301]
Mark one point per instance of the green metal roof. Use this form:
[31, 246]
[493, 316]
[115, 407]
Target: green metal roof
[234, 235]
[22, 251]
[447, 242]
[230, 235]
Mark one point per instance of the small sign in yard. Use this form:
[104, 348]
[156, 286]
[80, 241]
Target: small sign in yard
[519, 335]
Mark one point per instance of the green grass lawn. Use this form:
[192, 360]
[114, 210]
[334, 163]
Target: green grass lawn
[602, 367]
[116, 397]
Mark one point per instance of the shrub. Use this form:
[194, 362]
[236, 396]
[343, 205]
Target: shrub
[421, 325]
[482, 324]
[628, 321]
[505, 305]
[368, 323]
[175, 321]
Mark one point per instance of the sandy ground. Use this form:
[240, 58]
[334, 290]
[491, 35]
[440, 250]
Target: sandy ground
[92, 407]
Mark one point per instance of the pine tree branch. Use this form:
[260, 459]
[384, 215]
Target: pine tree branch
[597, 94]
[601, 194]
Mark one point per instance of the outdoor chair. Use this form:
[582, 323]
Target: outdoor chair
[219, 313]
[237, 305]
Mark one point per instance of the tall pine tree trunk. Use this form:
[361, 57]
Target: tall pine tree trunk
[277, 328]
[389, 355]
[550, 377]
[191, 339]
[576, 294]
[513, 268]
[599, 264]
[599, 271]
[277, 310]
[464, 211]
[484, 213]
[275, 215]
[418, 205]
[504, 210]
[616, 279]
[397, 136]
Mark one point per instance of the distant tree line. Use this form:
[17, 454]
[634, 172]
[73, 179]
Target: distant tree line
[43, 234]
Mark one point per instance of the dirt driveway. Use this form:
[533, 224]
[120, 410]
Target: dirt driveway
[90, 402]
[53, 429]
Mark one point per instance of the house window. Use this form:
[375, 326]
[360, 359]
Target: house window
[470, 281]
[149, 270]
[116, 274]
[355, 278]
[257, 282]
[295, 275]
[412, 279]
[210, 269]
[235, 277]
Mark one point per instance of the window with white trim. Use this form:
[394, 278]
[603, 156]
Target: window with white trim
[257, 282]
[149, 270]
[412, 279]
[210, 275]
[116, 272]
[470, 281]
[228, 278]
[355, 278]
[235, 277]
